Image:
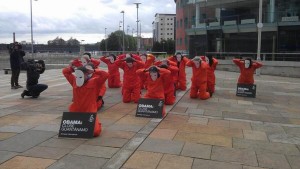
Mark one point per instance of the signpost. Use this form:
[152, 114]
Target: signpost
[246, 90]
[151, 108]
[77, 125]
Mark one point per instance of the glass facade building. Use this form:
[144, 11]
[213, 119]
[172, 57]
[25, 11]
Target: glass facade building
[229, 27]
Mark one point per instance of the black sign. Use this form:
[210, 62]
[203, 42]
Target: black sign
[77, 125]
[246, 90]
[151, 108]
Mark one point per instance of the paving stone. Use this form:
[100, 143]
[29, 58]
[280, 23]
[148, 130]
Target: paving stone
[118, 159]
[187, 104]
[126, 127]
[107, 142]
[63, 143]
[179, 109]
[6, 155]
[20, 162]
[219, 123]
[175, 162]
[4, 136]
[294, 161]
[132, 120]
[198, 120]
[244, 102]
[95, 151]
[255, 135]
[78, 162]
[25, 140]
[47, 152]
[263, 146]
[166, 134]
[148, 128]
[117, 134]
[161, 146]
[204, 139]
[268, 128]
[176, 118]
[295, 131]
[48, 127]
[208, 164]
[213, 113]
[143, 160]
[14, 129]
[135, 142]
[284, 138]
[245, 157]
[196, 150]
[276, 161]
[240, 125]
[250, 167]
[194, 111]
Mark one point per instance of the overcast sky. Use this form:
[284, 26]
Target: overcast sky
[81, 19]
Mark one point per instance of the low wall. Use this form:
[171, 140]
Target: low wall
[276, 68]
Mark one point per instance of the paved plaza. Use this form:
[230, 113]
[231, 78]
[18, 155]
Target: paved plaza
[224, 132]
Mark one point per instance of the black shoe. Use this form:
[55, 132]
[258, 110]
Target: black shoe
[18, 86]
[23, 94]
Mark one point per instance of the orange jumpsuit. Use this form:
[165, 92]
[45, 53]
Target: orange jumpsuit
[114, 74]
[211, 78]
[131, 83]
[246, 75]
[155, 89]
[96, 63]
[149, 62]
[169, 87]
[84, 97]
[199, 81]
[181, 82]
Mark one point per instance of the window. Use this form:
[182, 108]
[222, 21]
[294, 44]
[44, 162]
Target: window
[167, 33]
[161, 24]
[180, 22]
[167, 28]
[161, 34]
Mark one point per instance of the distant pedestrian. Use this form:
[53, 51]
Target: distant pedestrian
[16, 58]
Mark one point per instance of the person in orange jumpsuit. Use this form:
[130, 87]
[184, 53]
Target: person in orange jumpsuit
[181, 63]
[169, 88]
[131, 84]
[199, 78]
[113, 71]
[86, 88]
[211, 78]
[247, 68]
[148, 60]
[84, 60]
[156, 78]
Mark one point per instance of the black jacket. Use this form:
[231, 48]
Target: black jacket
[16, 58]
[32, 74]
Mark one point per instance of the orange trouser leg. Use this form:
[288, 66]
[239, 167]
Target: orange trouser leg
[194, 91]
[203, 95]
[210, 87]
[170, 98]
[136, 94]
[126, 95]
[98, 127]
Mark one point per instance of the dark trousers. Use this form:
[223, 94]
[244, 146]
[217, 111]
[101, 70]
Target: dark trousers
[35, 90]
[14, 81]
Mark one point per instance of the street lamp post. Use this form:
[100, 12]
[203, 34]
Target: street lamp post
[137, 26]
[120, 25]
[105, 41]
[31, 28]
[259, 29]
[123, 47]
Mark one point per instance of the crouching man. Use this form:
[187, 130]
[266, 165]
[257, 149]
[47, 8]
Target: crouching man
[34, 68]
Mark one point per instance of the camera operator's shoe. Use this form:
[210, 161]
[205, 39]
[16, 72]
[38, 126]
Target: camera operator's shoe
[24, 94]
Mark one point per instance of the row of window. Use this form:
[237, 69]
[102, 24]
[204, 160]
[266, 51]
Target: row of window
[179, 41]
[167, 39]
[167, 29]
[167, 19]
[167, 24]
[167, 33]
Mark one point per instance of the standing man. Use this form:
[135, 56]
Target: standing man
[16, 58]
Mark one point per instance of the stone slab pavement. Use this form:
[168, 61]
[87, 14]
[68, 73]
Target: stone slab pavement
[224, 132]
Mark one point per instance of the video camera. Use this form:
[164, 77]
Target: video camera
[38, 65]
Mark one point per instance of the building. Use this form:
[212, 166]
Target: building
[230, 27]
[164, 27]
[146, 44]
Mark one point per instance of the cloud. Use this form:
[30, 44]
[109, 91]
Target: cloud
[77, 16]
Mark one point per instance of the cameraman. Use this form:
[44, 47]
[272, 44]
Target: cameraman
[16, 58]
[34, 69]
